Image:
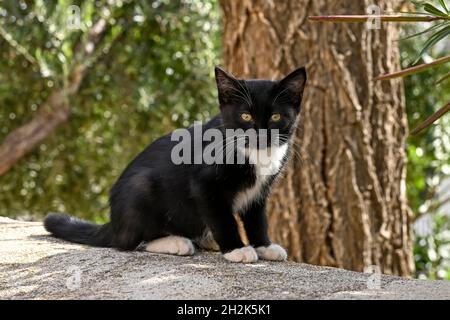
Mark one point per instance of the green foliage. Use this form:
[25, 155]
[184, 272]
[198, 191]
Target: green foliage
[153, 73]
[440, 30]
[428, 160]
[432, 251]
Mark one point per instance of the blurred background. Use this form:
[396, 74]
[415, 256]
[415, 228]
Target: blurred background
[144, 72]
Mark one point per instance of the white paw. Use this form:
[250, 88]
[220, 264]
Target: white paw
[171, 245]
[245, 255]
[273, 252]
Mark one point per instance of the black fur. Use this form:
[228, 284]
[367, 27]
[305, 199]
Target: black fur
[154, 197]
[76, 230]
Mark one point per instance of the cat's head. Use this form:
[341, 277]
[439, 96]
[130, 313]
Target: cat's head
[261, 104]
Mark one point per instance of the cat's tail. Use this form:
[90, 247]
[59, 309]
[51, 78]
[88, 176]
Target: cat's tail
[75, 230]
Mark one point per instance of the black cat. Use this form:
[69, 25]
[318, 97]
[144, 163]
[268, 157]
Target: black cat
[173, 205]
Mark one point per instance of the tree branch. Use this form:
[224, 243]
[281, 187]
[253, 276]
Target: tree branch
[432, 119]
[413, 70]
[55, 110]
[382, 18]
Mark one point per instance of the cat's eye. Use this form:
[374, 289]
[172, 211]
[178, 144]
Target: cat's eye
[275, 117]
[246, 117]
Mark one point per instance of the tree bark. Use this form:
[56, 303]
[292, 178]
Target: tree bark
[342, 200]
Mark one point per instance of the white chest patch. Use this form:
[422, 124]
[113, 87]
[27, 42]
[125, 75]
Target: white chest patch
[266, 162]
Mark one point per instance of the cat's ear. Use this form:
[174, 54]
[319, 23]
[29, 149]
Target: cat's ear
[227, 85]
[293, 86]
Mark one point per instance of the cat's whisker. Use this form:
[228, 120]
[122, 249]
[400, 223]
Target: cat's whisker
[242, 97]
[239, 94]
[246, 92]
[276, 97]
[295, 150]
[295, 146]
[220, 126]
[228, 141]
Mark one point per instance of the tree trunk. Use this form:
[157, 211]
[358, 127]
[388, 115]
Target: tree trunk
[342, 200]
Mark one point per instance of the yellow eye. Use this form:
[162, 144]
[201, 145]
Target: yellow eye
[246, 117]
[275, 117]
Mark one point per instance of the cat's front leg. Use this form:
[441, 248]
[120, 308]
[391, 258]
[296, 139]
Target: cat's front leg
[255, 223]
[225, 231]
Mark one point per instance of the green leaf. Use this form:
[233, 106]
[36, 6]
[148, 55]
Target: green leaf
[432, 28]
[442, 2]
[435, 38]
[433, 10]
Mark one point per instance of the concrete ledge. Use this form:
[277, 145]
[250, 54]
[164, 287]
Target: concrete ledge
[36, 266]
